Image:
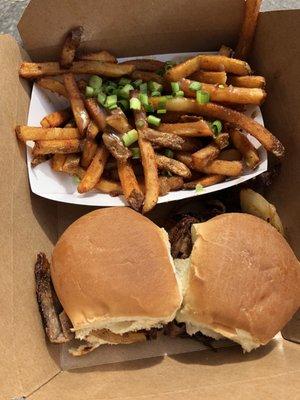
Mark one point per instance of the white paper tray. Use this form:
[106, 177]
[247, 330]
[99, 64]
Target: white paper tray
[60, 187]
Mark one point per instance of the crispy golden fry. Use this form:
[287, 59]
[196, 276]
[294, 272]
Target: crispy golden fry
[187, 129]
[204, 181]
[147, 76]
[82, 84]
[248, 28]
[171, 165]
[132, 192]
[185, 158]
[163, 139]
[94, 171]
[57, 162]
[71, 163]
[70, 46]
[144, 64]
[204, 156]
[118, 121]
[30, 70]
[222, 140]
[92, 130]
[225, 51]
[211, 110]
[243, 145]
[221, 167]
[80, 114]
[207, 63]
[115, 145]
[230, 155]
[53, 85]
[255, 204]
[213, 77]
[97, 113]
[226, 94]
[37, 133]
[249, 81]
[56, 146]
[109, 187]
[103, 56]
[57, 118]
[168, 184]
[38, 160]
[88, 153]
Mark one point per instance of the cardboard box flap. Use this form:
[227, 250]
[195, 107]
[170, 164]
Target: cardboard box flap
[25, 361]
[225, 374]
[130, 28]
[276, 55]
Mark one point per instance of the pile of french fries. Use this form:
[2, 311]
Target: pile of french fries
[143, 128]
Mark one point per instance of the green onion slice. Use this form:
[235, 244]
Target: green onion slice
[95, 82]
[135, 151]
[175, 87]
[130, 137]
[144, 99]
[144, 88]
[101, 98]
[194, 85]
[217, 126]
[202, 97]
[111, 100]
[180, 93]
[135, 104]
[153, 120]
[155, 86]
[124, 81]
[89, 91]
[199, 188]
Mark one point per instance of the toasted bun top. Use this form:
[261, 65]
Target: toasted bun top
[244, 279]
[114, 264]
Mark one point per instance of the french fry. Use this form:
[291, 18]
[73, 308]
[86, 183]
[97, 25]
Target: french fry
[92, 130]
[56, 146]
[57, 162]
[168, 184]
[118, 121]
[213, 77]
[171, 165]
[204, 156]
[97, 113]
[225, 51]
[103, 56]
[243, 145]
[80, 114]
[30, 70]
[71, 43]
[53, 85]
[222, 140]
[163, 139]
[230, 155]
[94, 171]
[144, 64]
[147, 76]
[204, 181]
[248, 28]
[38, 160]
[185, 158]
[215, 111]
[248, 81]
[115, 145]
[25, 133]
[221, 167]
[226, 94]
[71, 163]
[109, 187]
[131, 190]
[207, 63]
[88, 152]
[55, 119]
[187, 129]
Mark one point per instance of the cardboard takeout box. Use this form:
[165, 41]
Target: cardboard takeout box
[29, 366]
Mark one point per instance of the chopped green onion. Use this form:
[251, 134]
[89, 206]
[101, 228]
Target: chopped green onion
[109, 89]
[144, 88]
[137, 83]
[124, 81]
[175, 87]
[144, 99]
[135, 151]
[155, 86]
[124, 91]
[130, 137]
[169, 153]
[202, 97]
[97, 91]
[113, 106]
[140, 123]
[194, 85]
[112, 83]
[95, 82]
[216, 126]
[162, 102]
[135, 104]
[168, 96]
[89, 91]
[199, 188]
[148, 108]
[161, 111]
[153, 120]
[111, 101]
[180, 93]
[124, 104]
[101, 98]
[155, 94]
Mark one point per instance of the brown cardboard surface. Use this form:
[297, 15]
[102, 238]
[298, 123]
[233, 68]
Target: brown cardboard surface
[130, 28]
[272, 372]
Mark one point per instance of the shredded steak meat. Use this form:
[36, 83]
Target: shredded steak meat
[180, 237]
